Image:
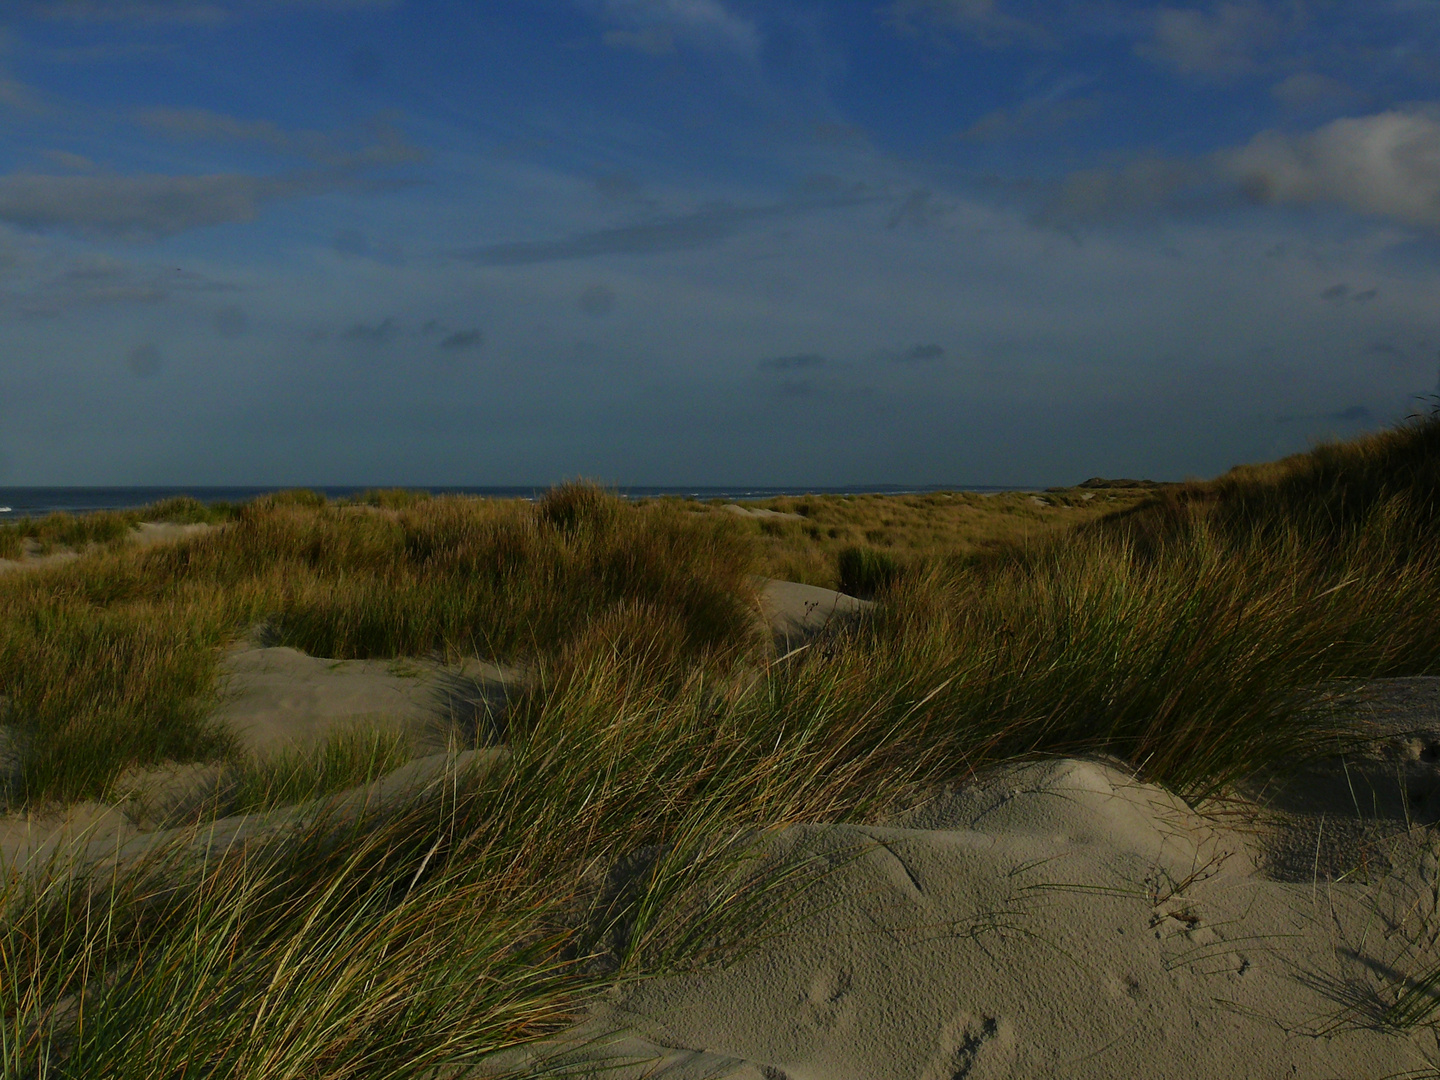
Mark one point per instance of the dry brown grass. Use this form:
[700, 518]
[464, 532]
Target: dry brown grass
[915, 529]
[110, 661]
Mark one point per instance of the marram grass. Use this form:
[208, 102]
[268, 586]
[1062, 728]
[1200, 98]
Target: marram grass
[657, 742]
[110, 661]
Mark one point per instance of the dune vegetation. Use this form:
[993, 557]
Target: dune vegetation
[1194, 631]
[825, 539]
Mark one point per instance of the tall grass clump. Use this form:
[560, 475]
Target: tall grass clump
[502, 580]
[185, 510]
[94, 687]
[346, 759]
[62, 530]
[1193, 665]
[865, 571]
[103, 528]
[391, 498]
[111, 661]
[1336, 494]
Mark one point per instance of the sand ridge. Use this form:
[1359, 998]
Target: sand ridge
[1058, 919]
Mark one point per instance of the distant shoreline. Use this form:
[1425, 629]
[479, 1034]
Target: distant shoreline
[22, 502]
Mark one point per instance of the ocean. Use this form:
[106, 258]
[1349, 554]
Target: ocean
[17, 502]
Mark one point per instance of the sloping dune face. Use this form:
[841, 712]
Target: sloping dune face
[1060, 920]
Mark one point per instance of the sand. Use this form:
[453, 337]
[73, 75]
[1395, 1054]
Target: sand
[797, 614]
[1054, 919]
[1060, 919]
[277, 696]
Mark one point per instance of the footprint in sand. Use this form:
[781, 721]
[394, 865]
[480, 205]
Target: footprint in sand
[973, 1048]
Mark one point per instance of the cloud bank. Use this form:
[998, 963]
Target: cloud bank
[1386, 165]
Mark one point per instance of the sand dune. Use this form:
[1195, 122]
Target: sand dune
[798, 613]
[1058, 919]
[275, 697]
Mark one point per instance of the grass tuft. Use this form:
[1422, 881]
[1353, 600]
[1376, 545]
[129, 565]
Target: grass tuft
[864, 571]
[299, 774]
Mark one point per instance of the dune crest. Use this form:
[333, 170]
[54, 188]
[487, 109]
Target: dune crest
[1057, 919]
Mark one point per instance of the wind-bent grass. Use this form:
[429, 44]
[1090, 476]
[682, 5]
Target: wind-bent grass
[110, 661]
[345, 759]
[1188, 637]
[453, 927]
[913, 531]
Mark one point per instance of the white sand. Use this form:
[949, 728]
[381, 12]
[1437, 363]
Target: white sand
[278, 696]
[1056, 920]
[799, 613]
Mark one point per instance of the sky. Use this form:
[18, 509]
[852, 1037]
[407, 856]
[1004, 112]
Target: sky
[675, 242]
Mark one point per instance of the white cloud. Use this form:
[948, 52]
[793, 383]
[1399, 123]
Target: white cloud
[1387, 164]
[1225, 40]
[706, 24]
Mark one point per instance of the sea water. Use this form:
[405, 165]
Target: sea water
[16, 502]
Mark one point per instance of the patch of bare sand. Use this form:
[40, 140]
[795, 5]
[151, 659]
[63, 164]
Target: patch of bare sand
[797, 613]
[1061, 919]
[275, 696]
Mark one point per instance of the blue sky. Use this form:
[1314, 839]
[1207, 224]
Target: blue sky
[709, 241]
